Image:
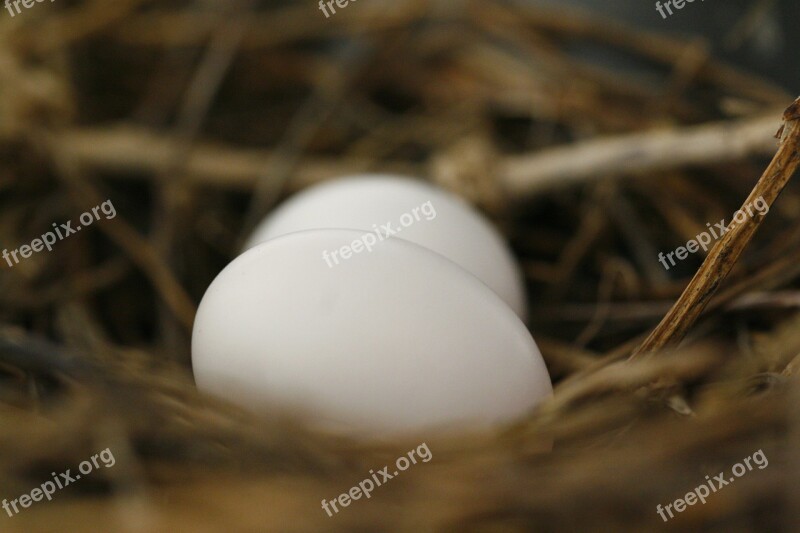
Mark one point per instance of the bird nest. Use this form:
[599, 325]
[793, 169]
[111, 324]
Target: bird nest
[195, 119]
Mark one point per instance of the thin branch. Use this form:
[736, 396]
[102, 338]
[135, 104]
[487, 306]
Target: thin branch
[726, 252]
[125, 151]
[638, 153]
[138, 249]
[128, 150]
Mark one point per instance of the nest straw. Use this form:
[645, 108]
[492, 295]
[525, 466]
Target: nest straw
[196, 118]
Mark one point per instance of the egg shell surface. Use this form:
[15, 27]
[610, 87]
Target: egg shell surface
[394, 340]
[442, 222]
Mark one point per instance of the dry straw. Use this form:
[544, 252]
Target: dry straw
[194, 119]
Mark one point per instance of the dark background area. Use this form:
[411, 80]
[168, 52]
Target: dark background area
[758, 35]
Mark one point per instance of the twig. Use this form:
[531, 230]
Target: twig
[330, 89]
[173, 201]
[726, 252]
[138, 249]
[277, 27]
[638, 153]
[74, 24]
[126, 149]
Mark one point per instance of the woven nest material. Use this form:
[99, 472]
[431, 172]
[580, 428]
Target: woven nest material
[197, 118]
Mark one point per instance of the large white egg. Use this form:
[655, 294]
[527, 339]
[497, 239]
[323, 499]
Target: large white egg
[417, 212]
[395, 340]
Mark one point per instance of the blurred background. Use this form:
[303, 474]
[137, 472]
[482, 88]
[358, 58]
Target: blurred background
[196, 118]
[756, 35]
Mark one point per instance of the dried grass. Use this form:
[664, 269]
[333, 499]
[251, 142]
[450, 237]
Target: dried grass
[195, 119]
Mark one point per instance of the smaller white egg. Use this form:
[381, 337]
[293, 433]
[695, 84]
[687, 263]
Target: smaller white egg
[395, 340]
[411, 210]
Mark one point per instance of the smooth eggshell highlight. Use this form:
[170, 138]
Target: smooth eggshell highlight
[396, 340]
[458, 231]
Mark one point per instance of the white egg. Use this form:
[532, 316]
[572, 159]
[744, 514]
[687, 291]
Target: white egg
[390, 341]
[414, 211]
